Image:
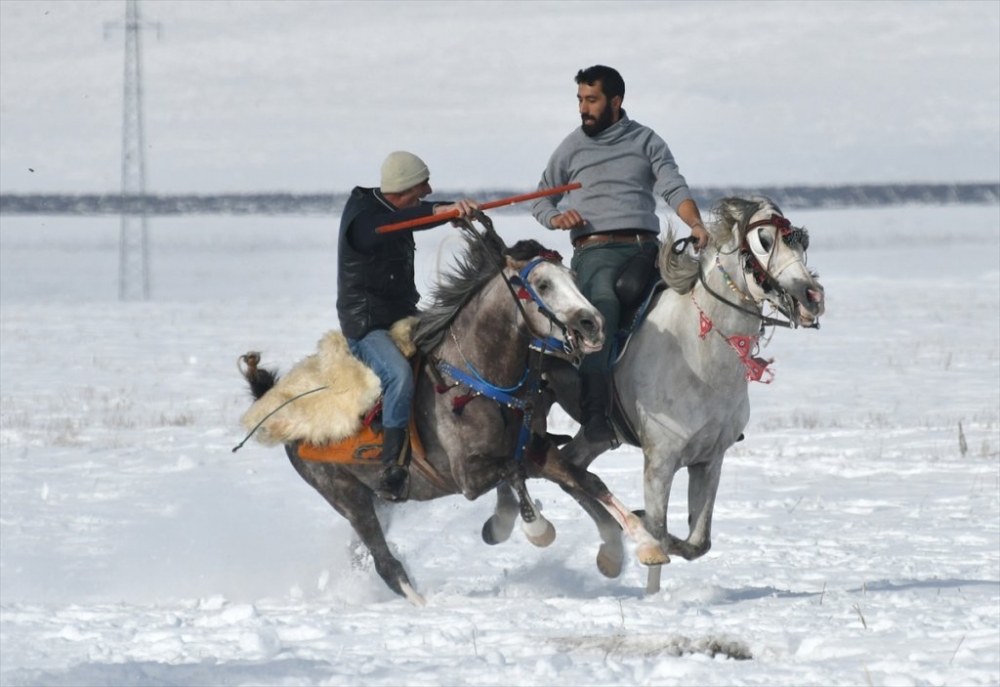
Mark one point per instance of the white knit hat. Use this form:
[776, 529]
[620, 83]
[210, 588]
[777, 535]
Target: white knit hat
[402, 171]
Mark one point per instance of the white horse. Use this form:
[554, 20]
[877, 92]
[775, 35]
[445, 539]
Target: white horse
[681, 383]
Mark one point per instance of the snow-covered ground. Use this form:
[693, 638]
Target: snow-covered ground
[854, 541]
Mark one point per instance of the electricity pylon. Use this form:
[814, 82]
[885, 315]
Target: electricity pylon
[133, 249]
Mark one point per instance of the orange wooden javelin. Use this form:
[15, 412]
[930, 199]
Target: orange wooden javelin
[409, 224]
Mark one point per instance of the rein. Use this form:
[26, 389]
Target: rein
[764, 319]
[680, 245]
[745, 346]
[757, 263]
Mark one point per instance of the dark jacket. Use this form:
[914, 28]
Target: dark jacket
[375, 275]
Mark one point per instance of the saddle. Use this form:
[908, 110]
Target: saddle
[329, 403]
[637, 286]
[365, 447]
[329, 406]
[362, 448]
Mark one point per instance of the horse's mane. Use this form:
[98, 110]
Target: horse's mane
[681, 271]
[482, 259]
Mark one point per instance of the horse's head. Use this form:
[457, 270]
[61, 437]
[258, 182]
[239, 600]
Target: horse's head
[772, 256]
[555, 307]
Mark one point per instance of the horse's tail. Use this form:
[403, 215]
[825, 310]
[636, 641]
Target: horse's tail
[260, 379]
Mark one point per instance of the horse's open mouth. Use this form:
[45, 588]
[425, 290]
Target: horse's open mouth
[806, 319]
[809, 312]
[580, 342]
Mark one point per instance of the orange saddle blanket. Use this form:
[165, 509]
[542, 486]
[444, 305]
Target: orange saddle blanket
[363, 448]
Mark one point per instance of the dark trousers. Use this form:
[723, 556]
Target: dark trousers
[597, 267]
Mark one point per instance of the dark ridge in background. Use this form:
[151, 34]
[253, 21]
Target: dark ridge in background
[788, 197]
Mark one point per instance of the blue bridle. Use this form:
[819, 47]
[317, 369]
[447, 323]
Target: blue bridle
[550, 343]
[505, 395]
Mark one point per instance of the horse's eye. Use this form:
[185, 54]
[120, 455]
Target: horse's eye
[543, 286]
[765, 240]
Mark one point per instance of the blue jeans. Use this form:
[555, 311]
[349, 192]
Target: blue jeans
[377, 351]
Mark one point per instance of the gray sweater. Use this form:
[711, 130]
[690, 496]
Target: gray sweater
[621, 169]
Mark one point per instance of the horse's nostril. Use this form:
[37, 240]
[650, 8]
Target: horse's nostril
[814, 296]
[590, 326]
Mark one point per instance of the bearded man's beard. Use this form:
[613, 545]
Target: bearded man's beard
[592, 127]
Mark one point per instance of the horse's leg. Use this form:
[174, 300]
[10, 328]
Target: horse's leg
[703, 485]
[535, 526]
[354, 501]
[611, 554]
[657, 482]
[498, 528]
[572, 477]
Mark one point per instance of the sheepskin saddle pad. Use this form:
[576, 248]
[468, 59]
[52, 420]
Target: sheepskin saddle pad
[349, 390]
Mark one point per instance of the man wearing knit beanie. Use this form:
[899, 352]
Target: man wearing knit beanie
[376, 288]
[401, 171]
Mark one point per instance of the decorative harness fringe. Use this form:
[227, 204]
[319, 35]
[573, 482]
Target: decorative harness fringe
[745, 346]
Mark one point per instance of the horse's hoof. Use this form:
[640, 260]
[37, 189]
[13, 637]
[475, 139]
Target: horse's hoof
[609, 560]
[490, 535]
[652, 554]
[412, 595]
[541, 532]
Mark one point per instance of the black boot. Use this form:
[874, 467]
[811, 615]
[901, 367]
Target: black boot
[594, 396]
[395, 457]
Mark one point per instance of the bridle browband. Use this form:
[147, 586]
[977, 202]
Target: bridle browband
[778, 221]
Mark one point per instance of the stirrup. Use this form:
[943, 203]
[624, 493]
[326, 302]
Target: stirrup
[393, 482]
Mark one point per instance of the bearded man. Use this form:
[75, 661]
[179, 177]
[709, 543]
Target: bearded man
[623, 167]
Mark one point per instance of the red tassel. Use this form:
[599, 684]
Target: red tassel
[704, 324]
[372, 413]
[459, 402]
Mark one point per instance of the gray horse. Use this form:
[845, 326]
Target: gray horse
[681, 383]
[479, 406]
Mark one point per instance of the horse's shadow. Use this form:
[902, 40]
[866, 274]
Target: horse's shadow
[553, 579]
[154, 673]
[890, 586]
[733, 596]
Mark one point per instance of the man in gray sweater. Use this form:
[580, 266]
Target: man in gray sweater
[622, 166]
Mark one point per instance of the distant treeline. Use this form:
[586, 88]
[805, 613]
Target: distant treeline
[789, 197]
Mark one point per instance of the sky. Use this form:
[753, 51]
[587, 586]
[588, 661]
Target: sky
[310, 96]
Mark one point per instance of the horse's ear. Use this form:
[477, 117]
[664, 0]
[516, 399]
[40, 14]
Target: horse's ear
[516, 265]
[735, 239]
